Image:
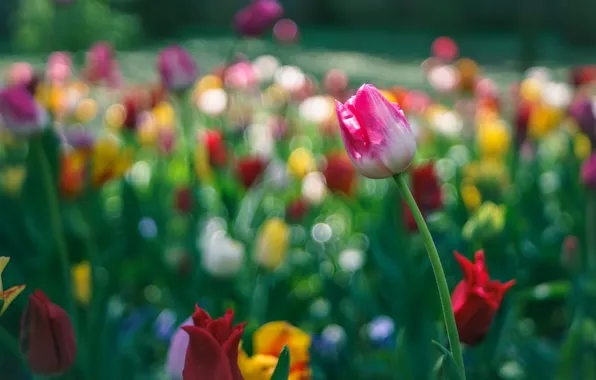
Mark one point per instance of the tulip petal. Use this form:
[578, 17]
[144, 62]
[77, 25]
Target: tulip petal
[205, 359]
[230, 348]
[221, 328]
[466, 266]
[9, 295]
[201, 318]
[177, 352]
[354, 137]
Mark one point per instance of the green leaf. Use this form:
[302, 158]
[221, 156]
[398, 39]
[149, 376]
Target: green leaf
[282, 370]
[448, 363]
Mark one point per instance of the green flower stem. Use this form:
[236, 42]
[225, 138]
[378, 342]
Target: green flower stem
[590, 228]
[50, 187]
[435, 261]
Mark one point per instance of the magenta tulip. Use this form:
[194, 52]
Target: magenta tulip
[177, 68]
[376, 134]
[20, 113]
[100, 62]
[257, 17]
[588, 172]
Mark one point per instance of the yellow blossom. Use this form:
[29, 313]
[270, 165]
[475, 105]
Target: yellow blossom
[486, 223]
[389, 96]
[12, 179]
[115, 116]
[110, 160]
[202, 164]
[164, 114]
[272, 243]
[301, 162]
[8, 295]
[86, 110]
[543, 120]
[81, 277]
[208, 82]
[494, 139]
[471, 196]
[530, 90]
[582, 147]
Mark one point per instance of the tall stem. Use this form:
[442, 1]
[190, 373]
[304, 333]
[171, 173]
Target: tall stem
[50, 189]
[590, 228]
[440, 278]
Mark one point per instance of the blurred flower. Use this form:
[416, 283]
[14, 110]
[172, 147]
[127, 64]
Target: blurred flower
[183, 200]
[316, 109]
[268, 342]
[286, 31]
[487, 174]
[19, 74]
[221, 256]
[272, 243]
[314, 187]
[265, 67]
[543, 120]
[177, 68]
[213, 347]
[486, 223]
[445, 48]
[351, 260]
[583, 75]
[445, 122]
[260, 140]
[301, 162]
[241, 76]
[59, 67]
[8, 295]
[426, 191]
[443, 79]
[47, 337]
[582, 147]
[290, 78]
[570, 258]
[20, 113]
[249, 169]
[202, 165]
[12, 179]
[336, 84]
[257, 17]
[582, 111]
[216, 147]
[135, 102]
[164, 326]
[557, 95]
[100, 63]
[494, 139]
[297, 210]
[381, 331]
[109, 160]
[331, 340]
[522, 119]
[471, 196]
[588, 172]
[340, 174]
[476, 299]
[213, 102]
[81, 278]
[376, 134]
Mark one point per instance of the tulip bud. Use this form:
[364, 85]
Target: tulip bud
[588, 172]
[297, 209]
[20, 113]
[257, 17]
[100, 62]
[376, 134]
[272, 243]
[177, 68]
[47, 337]
[249, 169]
[216, 148]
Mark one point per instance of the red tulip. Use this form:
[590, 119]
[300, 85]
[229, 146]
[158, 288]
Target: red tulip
[212, 352]
[340, 174]
[297, 209]
[426, 190]
[184, 200]
[249, 169]
[476, 299]
[47, 336]
[216, 148]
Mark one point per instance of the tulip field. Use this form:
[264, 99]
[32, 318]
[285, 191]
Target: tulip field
[179, 216]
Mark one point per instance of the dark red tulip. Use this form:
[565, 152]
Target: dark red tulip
[183, 198]
[476, 299]
[522, 118]
[426, 190]
[212, 352]
[340, 174]
[583, 75]
[297, 209]
[47, 337]
[249, 169]
[256, 18]
[216, 147]
[582, 111]
[588, 172]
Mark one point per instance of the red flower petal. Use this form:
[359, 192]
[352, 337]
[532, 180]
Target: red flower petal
[230, 348]
[205, 359]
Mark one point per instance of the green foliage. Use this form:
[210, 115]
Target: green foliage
[41, 26]
[282, 370]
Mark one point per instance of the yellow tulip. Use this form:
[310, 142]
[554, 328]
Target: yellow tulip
[164, 114]
[110, 161]
[81, 277]
[7, 296]
[582, 147]
[494, 139]
[301, 162]
[471, 196]
[12, 179]
[530, 90]
[257, 367]
[543, 120]
[272, 243]
[202, 164]
[208, 82]
[86, 110]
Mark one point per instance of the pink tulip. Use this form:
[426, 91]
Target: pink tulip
[177, 68]
[257, 17]
[100, 62]
[286, 31]
[20, 113]
[20, 73]
[588, 172]
[240, 76]
[59, 67]
[376, 134]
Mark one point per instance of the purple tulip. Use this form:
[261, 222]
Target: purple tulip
[257, 17]
[100, 62]
[582, 111]
[177, 351]
[588, 172]
[20, 113]
[376, 134]
[177, 68]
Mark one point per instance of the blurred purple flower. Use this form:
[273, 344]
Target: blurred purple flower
[582, 111]
[20, 113]
[177, 68]
[588, 172]
[79, 138]
[381, 331]
[257, 17]
[100, 62]
[177, 351]
[286, 31]
[164, 325]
